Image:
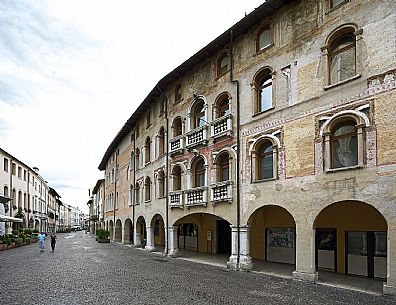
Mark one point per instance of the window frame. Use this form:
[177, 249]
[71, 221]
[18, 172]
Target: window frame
[259, 77]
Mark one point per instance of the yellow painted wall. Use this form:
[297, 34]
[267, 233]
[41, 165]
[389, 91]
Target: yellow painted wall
[299, 147]
[385, 116]
[349, 216]
[267, 217]
[160, 239]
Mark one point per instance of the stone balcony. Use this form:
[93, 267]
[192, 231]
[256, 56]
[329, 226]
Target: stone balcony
[176, 199]
[221, 127]
[177, 145]
[221, 192]
[197, 136]
[197, 196]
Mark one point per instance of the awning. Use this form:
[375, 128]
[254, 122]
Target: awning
[4, 199]
[4, 218]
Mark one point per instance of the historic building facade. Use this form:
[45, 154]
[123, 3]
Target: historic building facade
[275, 142]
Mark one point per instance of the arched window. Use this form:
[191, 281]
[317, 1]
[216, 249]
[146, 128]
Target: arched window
[137, 193]
[177, 127]
[14, 198]
[341, 50]
[19, 199]
[132, 161]
[161, 184]
[265, 161]
[178, 93]
[263, 39]
[131, 195]
[223, 64]
[198, 114]
[5, 190]
[344, 148]
[177, 178]
[262, 86]
[112, 175]
[199, 173]
[25, 203]
[147, 149]
[161, 141]
[223, 167]
[137, 156]
[222, 106]
[147, 187]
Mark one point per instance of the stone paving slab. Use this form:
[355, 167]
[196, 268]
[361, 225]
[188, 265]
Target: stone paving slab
[81, 271]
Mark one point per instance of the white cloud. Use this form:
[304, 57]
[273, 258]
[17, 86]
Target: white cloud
[73, 71]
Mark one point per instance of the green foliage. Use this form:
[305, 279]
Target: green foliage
[102, 234]
[35, 231]
[15, 232]
[19, 241]
[6, 240]
[27, 231]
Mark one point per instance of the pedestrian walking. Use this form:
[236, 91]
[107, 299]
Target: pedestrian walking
[53, 241]
[41, 238]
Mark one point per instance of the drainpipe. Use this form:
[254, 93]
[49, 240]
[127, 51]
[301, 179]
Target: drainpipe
[134, 183]
[28, 199]
[238, 148]
[167, 174]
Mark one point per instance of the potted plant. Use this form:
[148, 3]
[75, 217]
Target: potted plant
[103, 236]
[18, 241]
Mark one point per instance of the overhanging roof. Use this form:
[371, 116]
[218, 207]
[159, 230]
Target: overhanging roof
[4, 218]
[53, 192]
[95, 189]
[255, 17]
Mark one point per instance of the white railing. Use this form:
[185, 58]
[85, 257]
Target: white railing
[221, 192]
[197, 196]
[176, 199]
[176, 144]
[221, 126]
[197, 136]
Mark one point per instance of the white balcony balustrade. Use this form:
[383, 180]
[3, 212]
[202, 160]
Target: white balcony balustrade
[176, 199]
[197, 196]
[177, 144]
[221, 127]
[221, 192]
[197, 136]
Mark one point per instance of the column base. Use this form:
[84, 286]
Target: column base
[126, 242]
[174, 253]
[245, 263]
[137, 246]
[149, 248]
[389, 290]
[233, 262]
[305, 276]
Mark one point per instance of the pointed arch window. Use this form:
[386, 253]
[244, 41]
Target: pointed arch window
[147, 187]
[147, 149]
[344, 148]
[262, 91]
[177, 178]
[161, 141]
[223, 165]
[198, 114]
[342, 57]
[265, 161]
[199, 173]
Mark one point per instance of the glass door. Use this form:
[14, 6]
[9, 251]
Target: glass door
[326, 249]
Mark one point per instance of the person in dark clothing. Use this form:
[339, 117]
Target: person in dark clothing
[53, 241]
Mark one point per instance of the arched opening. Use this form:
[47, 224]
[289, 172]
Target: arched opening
[161, 141]
[199, 172]
[118, 231]
[272, 235]
[158, 231]
[111, 229]
[351, 238]
[198, 114]
[147, 150]
[161, 184]
[223, 167]
[177, 127]
[205, 233]
[177, 178]
[128, 234]
[147, 188]
[141, 233]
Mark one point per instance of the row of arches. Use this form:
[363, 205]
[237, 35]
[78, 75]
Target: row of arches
[350, 237]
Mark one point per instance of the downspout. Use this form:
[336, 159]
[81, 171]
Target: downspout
[238, 148]
[167, 174]
[28, 199]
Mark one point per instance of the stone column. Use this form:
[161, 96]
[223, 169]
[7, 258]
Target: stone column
[173, 250]
[233, 260]
[150, 247]
[390, 286]
[305, 254]
[136, 239]
[245, 260]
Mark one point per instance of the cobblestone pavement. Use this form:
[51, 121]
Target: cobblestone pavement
[81, 271]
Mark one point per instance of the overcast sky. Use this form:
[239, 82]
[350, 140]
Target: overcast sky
[73, 71]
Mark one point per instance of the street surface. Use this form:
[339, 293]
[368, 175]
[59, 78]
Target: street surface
[81, 271]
